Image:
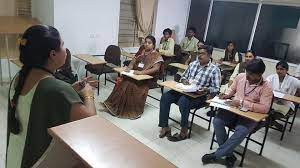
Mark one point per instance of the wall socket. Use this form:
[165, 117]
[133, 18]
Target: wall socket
[94, 35]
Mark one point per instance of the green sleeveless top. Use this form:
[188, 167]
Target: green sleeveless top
[50, 106]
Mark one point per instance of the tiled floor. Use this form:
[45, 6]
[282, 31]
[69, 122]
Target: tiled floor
[188, 153]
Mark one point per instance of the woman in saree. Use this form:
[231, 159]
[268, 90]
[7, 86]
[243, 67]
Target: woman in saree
[128, 97]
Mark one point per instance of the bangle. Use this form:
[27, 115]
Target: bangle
[89, 97]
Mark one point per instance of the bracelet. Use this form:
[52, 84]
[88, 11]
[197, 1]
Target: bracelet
[89, 97]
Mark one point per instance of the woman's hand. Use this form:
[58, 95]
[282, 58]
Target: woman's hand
[79, 85]
[138, 72]
[87, 91]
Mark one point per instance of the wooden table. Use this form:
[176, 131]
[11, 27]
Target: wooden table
[89, 59]
[288, 97]
[99, 143]
[13, 25]
[179, 65]
[172, 85]
[257, 117]
[17, 62]
[228, 63]
[136, 77]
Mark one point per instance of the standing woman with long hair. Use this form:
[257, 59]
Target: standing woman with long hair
[40, 101]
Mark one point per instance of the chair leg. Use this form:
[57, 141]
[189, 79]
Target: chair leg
[293, 120]
[209, 124]
[212, 141]
[98, 88]
[162, 90]
[264, 140]
[192, 122]
[104, 78]
[244, 151]
[284, 128]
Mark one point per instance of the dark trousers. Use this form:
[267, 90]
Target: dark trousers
[242, 127]
[184, 102]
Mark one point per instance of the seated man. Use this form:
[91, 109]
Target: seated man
[167, 44]
[192, 57]
[204, 75]
[284, 83]
[166, 47]
[188, 45]
[251, 93]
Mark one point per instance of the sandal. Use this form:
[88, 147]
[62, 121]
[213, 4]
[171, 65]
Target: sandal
[177, 137]
[165, 133]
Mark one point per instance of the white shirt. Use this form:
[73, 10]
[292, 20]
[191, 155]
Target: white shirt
[297, 72]
[289, 86]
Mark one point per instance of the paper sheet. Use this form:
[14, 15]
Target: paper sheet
[130, 73]
[219, 106]
[220, 101]
[187, 88]
[278, 94]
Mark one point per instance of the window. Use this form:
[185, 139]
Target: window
[277, 33]
[198, 16]
[128, 26]
[231, 21]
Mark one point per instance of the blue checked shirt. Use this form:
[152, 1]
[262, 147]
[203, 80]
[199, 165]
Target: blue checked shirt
[204, 76]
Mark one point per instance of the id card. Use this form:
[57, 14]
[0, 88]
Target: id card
[141, 65]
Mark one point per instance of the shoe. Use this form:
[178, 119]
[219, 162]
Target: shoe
[211, 113]
[209, 158]
[230, 160]
[165, 133]
[177, 137]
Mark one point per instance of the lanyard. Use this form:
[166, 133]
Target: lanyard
[247, 94]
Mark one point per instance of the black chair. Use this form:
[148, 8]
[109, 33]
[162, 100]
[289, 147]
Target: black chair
[263, 124]
[193, 113]
[65, 72]
[112, 57]
[286, 121]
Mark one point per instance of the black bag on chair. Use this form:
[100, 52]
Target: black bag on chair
[65, 73]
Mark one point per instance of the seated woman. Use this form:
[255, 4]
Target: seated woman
[240, 68]
[128, 97]
[230, 53]
[40, 101]
[284, 83]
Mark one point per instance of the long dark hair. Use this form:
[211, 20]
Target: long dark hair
[233, 52]
[35, 46]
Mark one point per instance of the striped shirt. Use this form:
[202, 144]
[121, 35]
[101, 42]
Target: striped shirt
[203, 76]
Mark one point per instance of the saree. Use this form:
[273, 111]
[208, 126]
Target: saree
[128, 97]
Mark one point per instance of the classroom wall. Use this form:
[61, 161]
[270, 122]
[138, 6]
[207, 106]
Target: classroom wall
[43, 10]
[7, 8]
[172, 14]
[87, 27]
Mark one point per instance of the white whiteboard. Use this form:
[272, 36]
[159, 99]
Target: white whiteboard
[87, 26]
